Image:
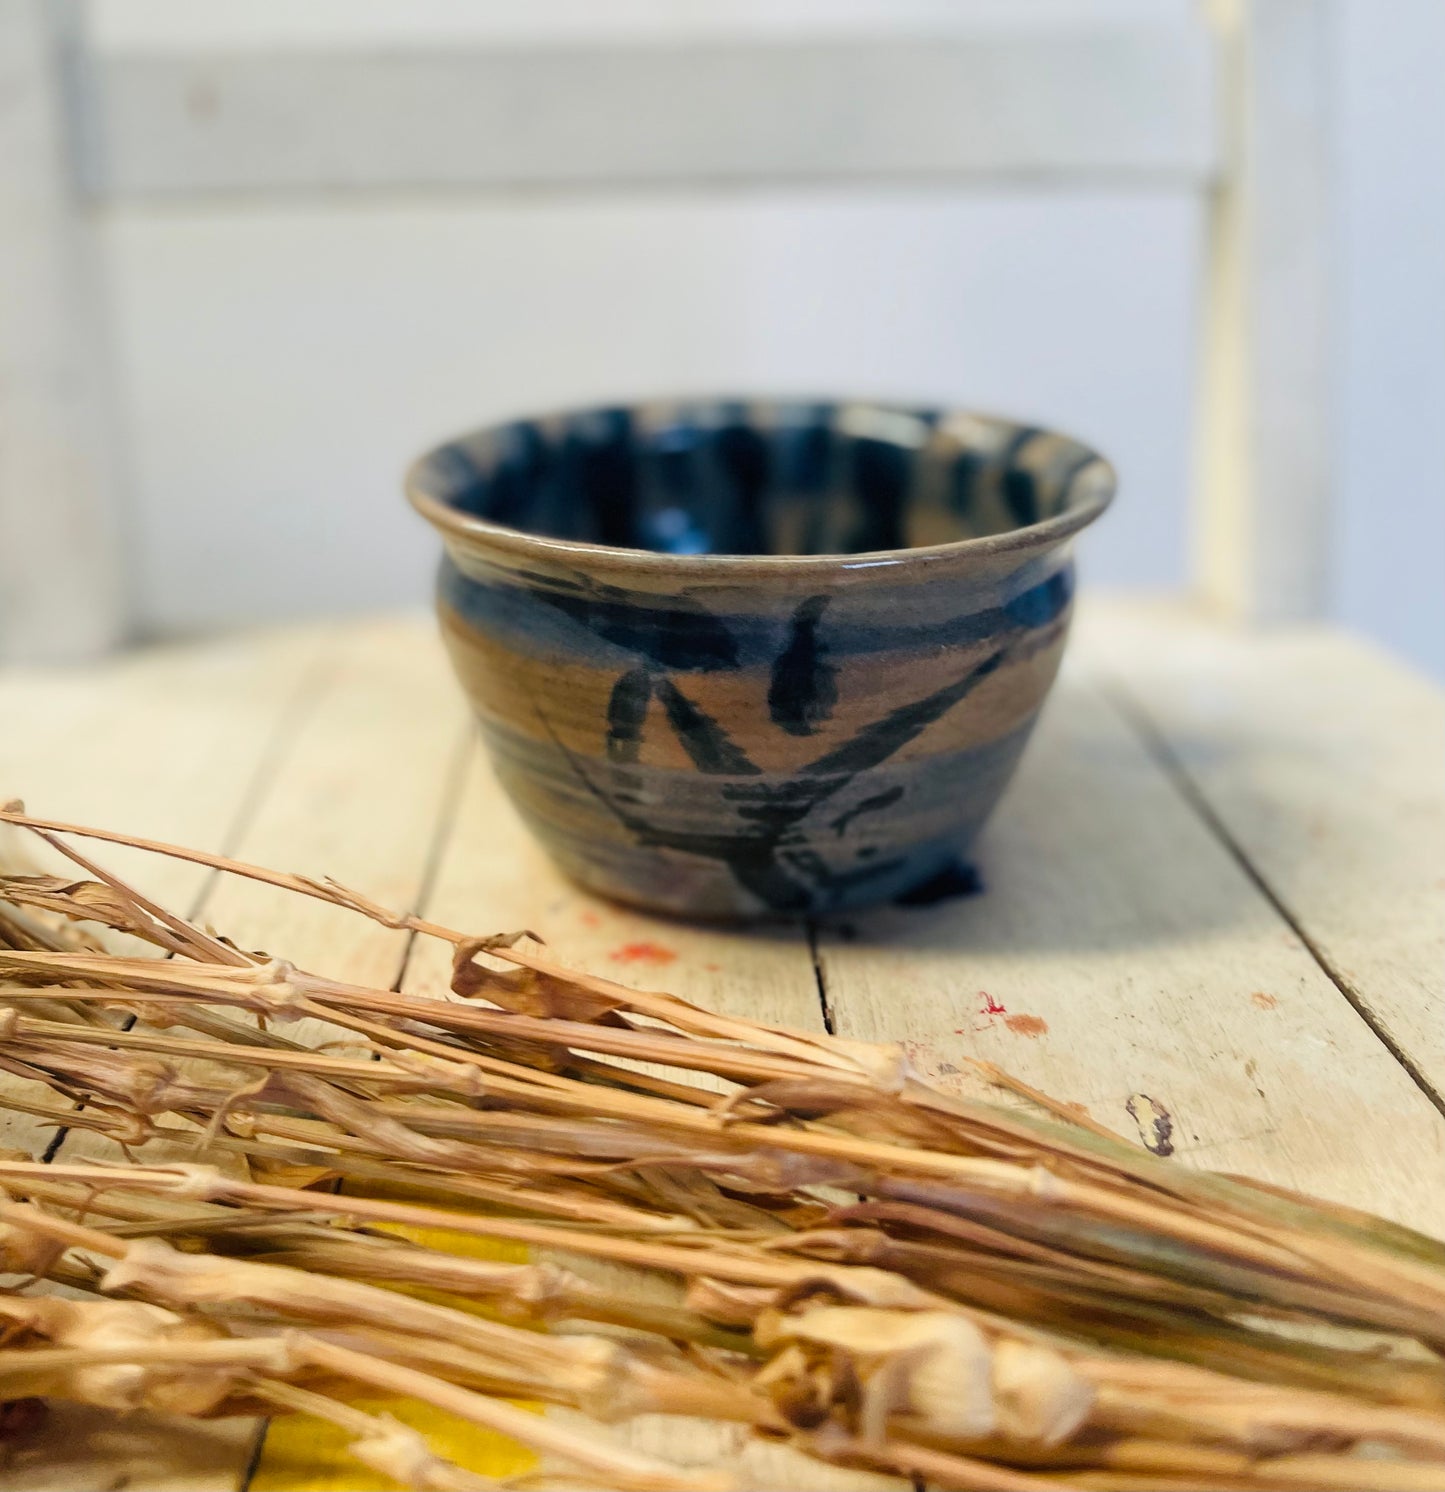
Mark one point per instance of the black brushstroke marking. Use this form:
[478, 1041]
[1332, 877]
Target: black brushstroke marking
[803, 690]
[711, 748]
[955, 879]
[765, 852]
[683, 635]
[626, 715]
[1156, 1123]
[817, 869]
[875, 743]
[767, 802]
[868, 805]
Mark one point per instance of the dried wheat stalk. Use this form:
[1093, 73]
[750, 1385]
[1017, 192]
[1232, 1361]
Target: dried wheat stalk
[878, 1273]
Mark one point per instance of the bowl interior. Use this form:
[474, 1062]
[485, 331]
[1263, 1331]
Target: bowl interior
[769, 478]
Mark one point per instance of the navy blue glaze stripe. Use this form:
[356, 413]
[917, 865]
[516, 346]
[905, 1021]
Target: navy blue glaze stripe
[685, 636]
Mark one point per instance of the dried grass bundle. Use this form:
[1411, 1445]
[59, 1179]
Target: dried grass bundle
[878, 1273]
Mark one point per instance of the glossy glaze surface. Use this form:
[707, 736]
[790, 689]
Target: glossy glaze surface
[737, 659]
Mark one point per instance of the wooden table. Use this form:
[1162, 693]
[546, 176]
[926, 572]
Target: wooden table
[1212, 906]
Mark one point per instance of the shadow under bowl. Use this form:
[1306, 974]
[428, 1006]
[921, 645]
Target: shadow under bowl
[742, 658]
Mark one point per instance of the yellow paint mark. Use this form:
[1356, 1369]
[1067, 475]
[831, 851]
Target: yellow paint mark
[502, 1250]
[304, 1454]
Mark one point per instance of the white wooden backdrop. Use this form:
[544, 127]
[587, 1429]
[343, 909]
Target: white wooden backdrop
[325, 237]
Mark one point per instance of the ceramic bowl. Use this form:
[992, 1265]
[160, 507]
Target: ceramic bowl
[738, 658]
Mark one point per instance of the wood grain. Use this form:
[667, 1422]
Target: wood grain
[176, 744]
[1323, 761]
[356, 773]
[364, 789]
[171, 743]
[1127, 951]
[366, 780]
[1119, 957]
[167, 742]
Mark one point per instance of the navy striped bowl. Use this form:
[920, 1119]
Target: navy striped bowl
[740, 658]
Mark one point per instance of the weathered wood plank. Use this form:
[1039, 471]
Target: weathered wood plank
[360, 795]
[171, 743]
[365, 782]
[1324, 761]
[1124, 951]
[360, 780]
[1119, 957]
[168, 742]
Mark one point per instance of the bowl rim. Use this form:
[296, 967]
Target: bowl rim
[469, 528]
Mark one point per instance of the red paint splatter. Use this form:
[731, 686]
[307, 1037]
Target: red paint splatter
[1020, 1025]
[1026, 1025]
[713, 968]
[642, 953]
[1264, 1001]
[590, 919]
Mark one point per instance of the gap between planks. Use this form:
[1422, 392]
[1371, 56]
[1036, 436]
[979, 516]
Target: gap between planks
[355, 770]
[288, 725]
[1119, 957]
[1319, 755]
[487, 870]
[1151, 735]
[494, 875]
[217, 713]
[440, 837]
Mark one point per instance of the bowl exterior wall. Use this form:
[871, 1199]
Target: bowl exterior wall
[783, 740]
